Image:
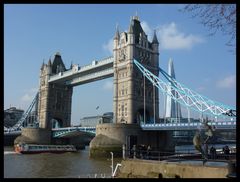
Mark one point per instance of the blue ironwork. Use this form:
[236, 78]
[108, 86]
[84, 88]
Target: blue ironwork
[189, 126]
[186, 96]
[19, 125]
[61, 132]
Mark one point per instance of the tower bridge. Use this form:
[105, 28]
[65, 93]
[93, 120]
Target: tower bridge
[81, 75]
[135, 69]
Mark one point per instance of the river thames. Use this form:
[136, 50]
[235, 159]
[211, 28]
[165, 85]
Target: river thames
[65, 165]
[49, 165]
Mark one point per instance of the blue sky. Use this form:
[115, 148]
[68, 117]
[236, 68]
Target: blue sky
[82, 33]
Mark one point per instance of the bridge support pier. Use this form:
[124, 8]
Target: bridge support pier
[34, 136]
[110, 137]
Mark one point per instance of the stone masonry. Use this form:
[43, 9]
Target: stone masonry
[54, 104]
[129, 81]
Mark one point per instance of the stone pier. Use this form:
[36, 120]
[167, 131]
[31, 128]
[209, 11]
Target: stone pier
[111, 137]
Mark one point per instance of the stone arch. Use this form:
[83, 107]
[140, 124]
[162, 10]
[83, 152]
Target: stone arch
[56, 123]
[140, 116]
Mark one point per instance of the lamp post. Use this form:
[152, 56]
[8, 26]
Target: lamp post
[112, 163]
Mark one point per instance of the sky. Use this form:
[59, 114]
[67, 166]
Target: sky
[83, 33]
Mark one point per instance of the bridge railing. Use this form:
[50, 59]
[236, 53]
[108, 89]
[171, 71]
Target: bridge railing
[188, 126]
[60, 132]
[143, 153]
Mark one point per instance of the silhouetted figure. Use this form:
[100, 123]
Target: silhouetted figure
[148, 151]
[213, 153]
[205, 146]
[226, 152]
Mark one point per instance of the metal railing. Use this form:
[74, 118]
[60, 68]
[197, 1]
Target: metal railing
[188, 126]
[176, 156]
[186, 96]
[60, 132]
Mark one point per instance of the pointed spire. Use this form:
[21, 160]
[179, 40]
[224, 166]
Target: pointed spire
[171, 68]
[117, 35]
[155, 40]
[173, 108]
[42, 65]
[49, 62]
[130, 30]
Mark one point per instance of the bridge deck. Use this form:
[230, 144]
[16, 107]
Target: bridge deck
[188, 126]
[80, 75]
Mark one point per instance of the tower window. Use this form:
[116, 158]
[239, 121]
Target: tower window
[122, 108]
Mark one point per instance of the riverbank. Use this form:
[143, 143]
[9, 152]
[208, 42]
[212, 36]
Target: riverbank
[138, 168]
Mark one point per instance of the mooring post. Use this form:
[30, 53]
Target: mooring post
[123, 151]
[112, 163]
[134, 151]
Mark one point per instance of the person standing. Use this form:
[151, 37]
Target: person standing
[148, 151]
[213, 153]
[226, 152]
[205, 146]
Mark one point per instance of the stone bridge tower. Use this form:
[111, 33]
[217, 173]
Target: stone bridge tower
[129, 100]
[54, 104]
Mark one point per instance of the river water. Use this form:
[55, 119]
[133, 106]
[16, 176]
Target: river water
[49, 165]
[66, 165]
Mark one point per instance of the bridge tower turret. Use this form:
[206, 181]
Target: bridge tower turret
[133, 100]
[54, 104]
[129, 100]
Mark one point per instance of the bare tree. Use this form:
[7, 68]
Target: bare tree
[216, 17]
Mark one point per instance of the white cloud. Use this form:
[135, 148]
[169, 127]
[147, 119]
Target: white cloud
[171, 38]
[29, 95]
[227, 82]
[108, 47]
[108, 85]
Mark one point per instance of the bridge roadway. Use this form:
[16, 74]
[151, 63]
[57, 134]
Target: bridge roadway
[98, 70]
[223, 125]
[227, 125]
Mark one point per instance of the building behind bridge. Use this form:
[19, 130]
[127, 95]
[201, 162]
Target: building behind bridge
[92, 121]
[11, 116]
